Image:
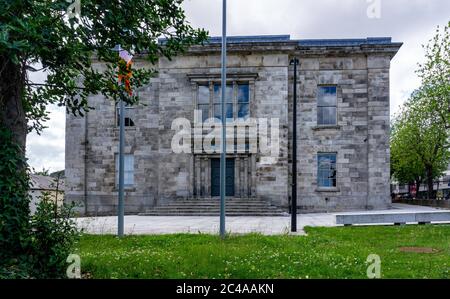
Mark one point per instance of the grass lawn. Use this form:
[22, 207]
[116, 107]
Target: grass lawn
[339, 252]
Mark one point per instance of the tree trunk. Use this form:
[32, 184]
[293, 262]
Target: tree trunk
[12, 114]
[430, 182]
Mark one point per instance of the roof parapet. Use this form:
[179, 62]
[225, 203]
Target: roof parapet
[301, 42]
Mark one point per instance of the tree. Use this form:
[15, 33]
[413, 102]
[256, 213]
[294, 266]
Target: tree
[435, 75]
[405, 167]
[420, 134]
[43, 32]
[419, 144]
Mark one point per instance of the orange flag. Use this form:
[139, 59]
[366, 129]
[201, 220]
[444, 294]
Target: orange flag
[125, 75]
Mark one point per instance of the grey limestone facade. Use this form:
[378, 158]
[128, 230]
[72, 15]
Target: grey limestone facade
[343, 128]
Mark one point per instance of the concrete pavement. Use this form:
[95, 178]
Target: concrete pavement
[141, 225]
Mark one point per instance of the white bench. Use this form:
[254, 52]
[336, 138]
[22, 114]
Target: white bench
[395, 218]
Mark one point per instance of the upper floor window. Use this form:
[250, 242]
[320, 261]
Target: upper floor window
[203, 101]
[237, 101]
[128, 170]
[228, 103]
[326, 105]
[129, 112]
[243, 101]
[326, 170]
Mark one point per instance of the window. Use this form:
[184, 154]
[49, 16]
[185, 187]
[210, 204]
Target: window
[203, 101]
[228, 104]
[326, 105]
[326, 173]
[237, 102]
[128, 115]
[243, 99]
[128, 170]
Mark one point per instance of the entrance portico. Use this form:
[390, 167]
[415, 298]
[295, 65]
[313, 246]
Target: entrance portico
[240, 176]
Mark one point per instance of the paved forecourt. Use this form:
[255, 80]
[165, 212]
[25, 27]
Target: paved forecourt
[141, 225]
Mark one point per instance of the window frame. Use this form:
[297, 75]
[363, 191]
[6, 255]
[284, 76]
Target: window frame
[333, 180]
[233, 101]
[319, 106]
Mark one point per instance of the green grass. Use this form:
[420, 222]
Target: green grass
[339, 252]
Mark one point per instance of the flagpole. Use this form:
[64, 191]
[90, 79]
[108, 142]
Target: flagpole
[121, 211]
[120, 206]
[224, 144]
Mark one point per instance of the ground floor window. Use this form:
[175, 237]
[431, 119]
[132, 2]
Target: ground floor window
[326, 170]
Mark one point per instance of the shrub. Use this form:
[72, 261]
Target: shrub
[53, 236]
[30, 246]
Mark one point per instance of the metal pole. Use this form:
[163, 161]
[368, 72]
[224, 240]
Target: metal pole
[120, 206]
[224, 144]
[121, 168]
[294, 152]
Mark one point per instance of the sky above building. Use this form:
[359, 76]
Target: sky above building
[412, 22]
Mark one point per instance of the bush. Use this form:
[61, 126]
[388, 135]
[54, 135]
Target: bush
[34, 246]
[53, 236]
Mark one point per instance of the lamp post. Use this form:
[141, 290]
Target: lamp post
[120, 207]
[224, 144]
[294, 151]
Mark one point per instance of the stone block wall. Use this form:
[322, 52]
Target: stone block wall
[360, 138]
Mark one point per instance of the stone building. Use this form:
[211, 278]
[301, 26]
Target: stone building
[343, 128]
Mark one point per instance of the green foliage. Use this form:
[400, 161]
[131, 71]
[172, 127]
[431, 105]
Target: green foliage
[325, 253]
[53, 238]
[420, 133]
[419, 146]
[30, 246]
[39, 33]
[435, 74]
[14, 207]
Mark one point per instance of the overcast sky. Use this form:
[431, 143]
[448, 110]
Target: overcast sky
[412, 22]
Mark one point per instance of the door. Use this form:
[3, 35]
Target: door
[215, 177]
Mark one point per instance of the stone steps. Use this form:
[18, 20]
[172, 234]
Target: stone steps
[206, 214]
[211, 207]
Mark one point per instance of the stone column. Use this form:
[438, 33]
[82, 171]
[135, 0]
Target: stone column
[246, 178]
[378, 118]
[237, 177]
[197, 177]
[207, 181]
[191, 173]
[252, 96]
[253, 176]
[202, 178]
[241, 175]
